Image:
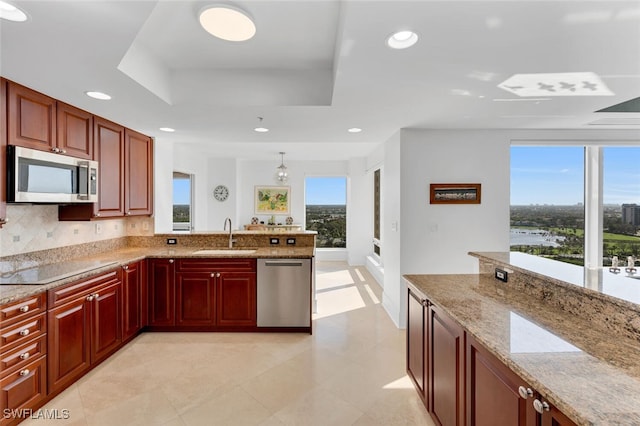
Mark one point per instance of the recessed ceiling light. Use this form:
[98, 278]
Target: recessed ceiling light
[167, 129]
[261, 129]
[11, 13]
[98, 95]
[354, 130]
[402, 39]
[227, 22]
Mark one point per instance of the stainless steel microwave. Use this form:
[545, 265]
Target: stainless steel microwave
[42, 177]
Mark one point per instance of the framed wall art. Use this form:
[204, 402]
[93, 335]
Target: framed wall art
[454, 193]
[272, 200]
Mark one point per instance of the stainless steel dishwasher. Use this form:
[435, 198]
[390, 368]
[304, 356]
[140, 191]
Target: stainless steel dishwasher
[284, 292]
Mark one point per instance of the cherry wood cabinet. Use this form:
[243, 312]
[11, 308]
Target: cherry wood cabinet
[84, 327]
[31, 119]
[75, 131]
[236, 299]
[161, 289]
[138, 176]
[195, 299]
[23, 356]
[3, 151]
[416, 342]
[134, 299]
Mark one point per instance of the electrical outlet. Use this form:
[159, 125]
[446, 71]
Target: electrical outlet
[145, 226]
[274, 241]
[291, 241]
[98, 228]
[502, 275]
[172, 241]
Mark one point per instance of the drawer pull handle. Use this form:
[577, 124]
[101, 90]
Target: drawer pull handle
[24, 356]
[24, 332]
[24, 372]
[24, 308]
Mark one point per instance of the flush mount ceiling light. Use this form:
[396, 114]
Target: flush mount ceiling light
[402, 39]
[98, 95]
[354, 130]
[227, 22]
[167, 129]
[11, 13]
[260, 129]
[281, 171]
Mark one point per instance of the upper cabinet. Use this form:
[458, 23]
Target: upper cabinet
[32, 119]
[75, 131]
[138, 176]
[3, 151]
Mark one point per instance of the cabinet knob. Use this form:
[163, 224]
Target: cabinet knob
[89, 298]
[125, 267]
[96, 295]
[525, 392]
[170, 260]
[24, 356]
[24, 372]
[63, 151]
[24, 332]
[540, 407]
[217, 274]
[129, 213]
[24, 308]
[213, 275]
[97, 214]
[54, 149]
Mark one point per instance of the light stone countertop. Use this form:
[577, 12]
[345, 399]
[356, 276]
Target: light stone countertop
[122, 256]
[590, 375]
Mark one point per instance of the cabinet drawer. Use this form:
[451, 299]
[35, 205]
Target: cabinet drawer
[23, 389]
[23, 332]
[22, 309]
[60, 295]
[19, 357]
[217, 265]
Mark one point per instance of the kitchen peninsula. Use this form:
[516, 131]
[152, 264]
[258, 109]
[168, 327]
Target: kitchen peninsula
[555, 344]
[64, 310]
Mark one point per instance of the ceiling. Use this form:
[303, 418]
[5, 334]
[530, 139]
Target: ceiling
[316, 68]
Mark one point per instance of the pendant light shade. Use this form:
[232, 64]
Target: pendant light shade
[282, 176]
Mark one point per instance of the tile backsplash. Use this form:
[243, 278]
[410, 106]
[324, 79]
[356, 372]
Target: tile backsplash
[36, 227]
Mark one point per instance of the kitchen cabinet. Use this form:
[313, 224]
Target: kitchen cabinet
[75, 131]
[84, 327]
[31, 119]
[138, 176]
[3, 151]
[216, 292]
[161, 281]
[134, 299]
[23, 356]
[417, 326]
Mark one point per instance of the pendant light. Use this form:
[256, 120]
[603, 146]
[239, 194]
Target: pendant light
[281, 171]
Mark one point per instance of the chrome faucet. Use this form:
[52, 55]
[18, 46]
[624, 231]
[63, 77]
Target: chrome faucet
[231, 240]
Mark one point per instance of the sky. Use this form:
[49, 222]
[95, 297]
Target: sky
[182, 191]
[325, 190]
[555, 175]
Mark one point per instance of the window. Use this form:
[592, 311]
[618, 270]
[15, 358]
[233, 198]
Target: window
[326, 210]
[182, 205]
[376, 212]
[547, 202]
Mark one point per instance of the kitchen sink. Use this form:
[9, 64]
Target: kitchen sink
[225, 251]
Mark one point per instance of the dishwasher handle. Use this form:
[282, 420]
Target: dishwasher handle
[283, 263]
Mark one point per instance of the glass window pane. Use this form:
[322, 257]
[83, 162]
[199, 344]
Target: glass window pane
[181, 202]
[621, 204]
[547, 202]
[326, 210]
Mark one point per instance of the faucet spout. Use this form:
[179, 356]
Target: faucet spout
[231, 240]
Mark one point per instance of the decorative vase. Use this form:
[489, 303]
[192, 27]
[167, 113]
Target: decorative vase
[289, 221]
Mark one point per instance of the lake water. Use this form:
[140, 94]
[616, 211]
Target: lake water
[534, 237]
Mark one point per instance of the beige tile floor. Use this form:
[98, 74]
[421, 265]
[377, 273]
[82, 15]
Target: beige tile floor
[351, 371]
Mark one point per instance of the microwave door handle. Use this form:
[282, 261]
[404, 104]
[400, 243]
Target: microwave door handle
[83, 180]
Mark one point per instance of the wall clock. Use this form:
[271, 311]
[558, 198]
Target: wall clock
[220, 192]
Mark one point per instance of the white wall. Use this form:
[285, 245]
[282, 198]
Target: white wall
[359, 212]
[163, 186]
[221, 171]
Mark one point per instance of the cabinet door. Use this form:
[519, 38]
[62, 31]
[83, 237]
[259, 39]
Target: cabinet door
[69, 334]
[416, 328]
[106, 333]
[195, 299]
[236, 299]
[32, 119]
[554, 417]
[23, 389]
[446, 369]
[138, 174]
[131, 300]
[3, 151]
[75, 131]
[493, 396]
[109, 152]
[161, 292]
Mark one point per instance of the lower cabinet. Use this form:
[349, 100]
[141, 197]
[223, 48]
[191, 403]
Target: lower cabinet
[84, 327]
[134, 299]
[460, 381]
[161, 288]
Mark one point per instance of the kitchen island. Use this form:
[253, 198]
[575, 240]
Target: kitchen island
[571, 346]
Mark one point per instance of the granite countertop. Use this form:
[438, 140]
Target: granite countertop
[590, 375]
[45, 277]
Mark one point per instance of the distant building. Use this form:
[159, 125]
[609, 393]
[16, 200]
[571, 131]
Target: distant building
[631, 214]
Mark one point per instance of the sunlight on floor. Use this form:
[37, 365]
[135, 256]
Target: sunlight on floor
[333, 279]
[401, 383]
